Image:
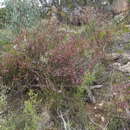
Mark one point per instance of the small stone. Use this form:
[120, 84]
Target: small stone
[122, 68]
[101, 104]
[95, 108]
[102, 119]
[125, 68]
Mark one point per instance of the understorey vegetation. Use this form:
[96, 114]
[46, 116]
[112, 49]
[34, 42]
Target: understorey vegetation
[60, 69]
[58, 75]
[50, 58]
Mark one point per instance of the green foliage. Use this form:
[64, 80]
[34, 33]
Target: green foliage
[99, 70]
[115, 124]
[56, 66]
[26, 120]
[117, 77]
[127, 46]
[22, 14]
[3, 17]
[71, 110]
[89, 78]
[92, 126]
[5, 46]
[89, 29]
[3, 102]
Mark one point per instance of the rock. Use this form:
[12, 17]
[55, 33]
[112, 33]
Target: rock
[116, 56]
[113, 56]
[119, 6]
[125, 68]
[122, 68]
[119, 18]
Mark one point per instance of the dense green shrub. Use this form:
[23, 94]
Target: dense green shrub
[22, 14]
[3, 17]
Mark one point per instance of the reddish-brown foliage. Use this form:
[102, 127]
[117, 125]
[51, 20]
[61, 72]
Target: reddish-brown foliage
[50, 58]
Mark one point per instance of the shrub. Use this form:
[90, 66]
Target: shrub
[50, 58]
[51, 62]
[3, 17]
[22, 14]
[26, 119]
[115, 124]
